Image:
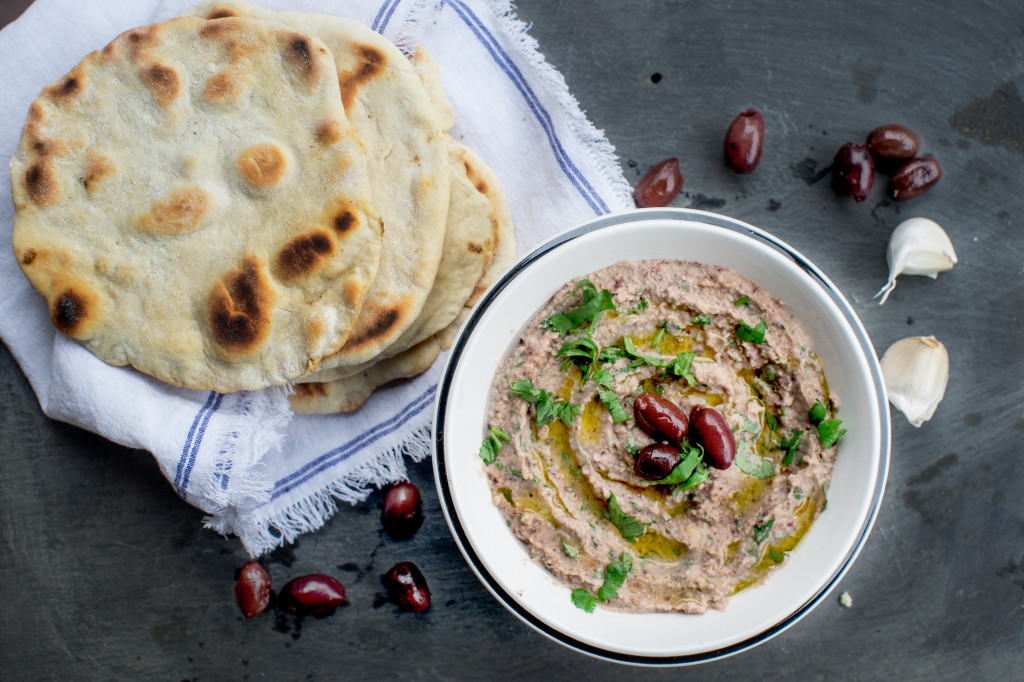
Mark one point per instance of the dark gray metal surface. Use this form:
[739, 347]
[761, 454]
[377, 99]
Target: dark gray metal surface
[106, 574]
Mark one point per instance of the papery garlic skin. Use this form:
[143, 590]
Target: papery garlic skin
[918, 246]
[916, 370]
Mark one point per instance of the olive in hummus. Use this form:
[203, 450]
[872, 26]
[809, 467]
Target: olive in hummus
[565, 443]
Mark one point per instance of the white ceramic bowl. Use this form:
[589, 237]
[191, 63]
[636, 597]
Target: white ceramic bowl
[755, 614]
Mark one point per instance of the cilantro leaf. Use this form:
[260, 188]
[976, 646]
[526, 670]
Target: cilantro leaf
[699, 475]
[659, 335]
[594, 304]
[548, 409]
[628, 525]
[771, 420]
[492, 443]
[686, 466]
[611, 354]
[647, 359]
[701, 320]
[817, 413]
[631, 446]
[569, 550]
[614, 576]
[682, 364]
[611, 401]
[830, 433]
[761, 531]
[745, 461]
[750, 334]
[743, 300]
[582, 599]
[583, 352]
[790, 445]
[603, 378]
[777, 556]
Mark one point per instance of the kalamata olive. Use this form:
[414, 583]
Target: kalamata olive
[252, 589]
[710, 429]
[853, 171]
[893, 141]
[403, 511]
[311, 595]
[659, 417]
[407, 587]
[915, 177]
[660, 186]
[656, 461]
[743, 141]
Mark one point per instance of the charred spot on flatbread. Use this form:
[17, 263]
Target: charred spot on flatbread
[223, 86]
[371, 62]
[329, 132]
[177, 212]
[309, 391]
[67, 88]
[303, 255]
[99, 168]
[163, 80]
[240, 307]
[262, 165]
[41, 183]
[220, 14]
[70, 311]
[304, 55]
[379, 322]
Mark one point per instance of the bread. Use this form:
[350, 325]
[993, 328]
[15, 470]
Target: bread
[192, 201]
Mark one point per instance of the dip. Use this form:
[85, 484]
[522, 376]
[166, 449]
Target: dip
[562, 442]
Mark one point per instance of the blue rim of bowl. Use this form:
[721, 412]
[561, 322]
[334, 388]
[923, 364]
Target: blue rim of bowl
[444, 389]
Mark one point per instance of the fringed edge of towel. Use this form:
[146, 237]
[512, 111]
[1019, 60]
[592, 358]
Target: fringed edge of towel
[595, 145]
[310, 513]
[256, 427]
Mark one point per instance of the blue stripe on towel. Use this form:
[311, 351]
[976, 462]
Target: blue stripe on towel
[343, 452]
[507, 65]
[190, 436]
[198, 441]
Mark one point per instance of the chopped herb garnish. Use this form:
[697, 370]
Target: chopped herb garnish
[583, 352]
[570, 551]
[590, 310]
[515, 472]
[611, 401]
[798, 493]
[777, 556]
[646, 359]
[582, 599]
[659, 335]
[769, 372]
[818, 413]
[548, 409]
[750, 334]
[537, 481]
[499, 466]
[659, 389]
[701, 320]
[744, 300]
[492, 443]
[682, 471]
[749, 425]
[747, 465]
[790, 445]
[641, 306]
[611, 354]
[629, 526]
[631, 446]
[614, 576]
[829, 432]
[681, 366]
[824, 494]
[761, 531]
[772, 422]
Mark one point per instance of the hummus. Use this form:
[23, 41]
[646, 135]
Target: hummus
[564, 477]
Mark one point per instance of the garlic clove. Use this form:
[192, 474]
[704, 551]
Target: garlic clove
[916, 370]
[918, 246]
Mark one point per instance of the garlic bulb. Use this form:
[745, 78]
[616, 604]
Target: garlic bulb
[918, 246]
[916, 370]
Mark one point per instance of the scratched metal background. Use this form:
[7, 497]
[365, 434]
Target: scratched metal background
[105, 574]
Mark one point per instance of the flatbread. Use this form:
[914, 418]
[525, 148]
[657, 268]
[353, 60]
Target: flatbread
[192, 201]
[348, 394]
[430, 76]
[408, 164]
[470, 241]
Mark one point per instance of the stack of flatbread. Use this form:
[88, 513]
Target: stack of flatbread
[241, 198]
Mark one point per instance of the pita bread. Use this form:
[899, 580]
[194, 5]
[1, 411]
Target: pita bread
[192, 201]
[407, 160]
[348, 394]
[469, 245]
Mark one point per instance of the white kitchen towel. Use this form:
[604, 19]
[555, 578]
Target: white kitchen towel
[259, 471]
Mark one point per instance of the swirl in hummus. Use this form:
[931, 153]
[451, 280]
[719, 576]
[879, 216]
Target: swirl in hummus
[560, 452]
